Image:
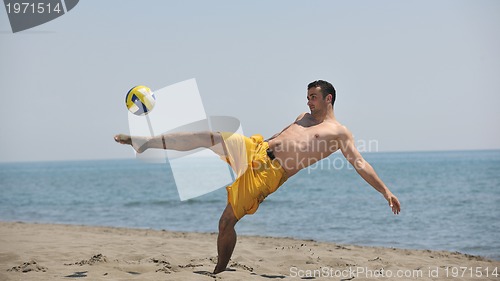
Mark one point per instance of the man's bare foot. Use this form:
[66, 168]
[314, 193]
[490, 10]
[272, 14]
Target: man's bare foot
[218, 270]
[138, 143]
[123, 139]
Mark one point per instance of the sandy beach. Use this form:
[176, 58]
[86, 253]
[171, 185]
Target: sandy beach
[63, 252]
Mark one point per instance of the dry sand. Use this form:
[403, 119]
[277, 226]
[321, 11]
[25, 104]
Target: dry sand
[69, 252]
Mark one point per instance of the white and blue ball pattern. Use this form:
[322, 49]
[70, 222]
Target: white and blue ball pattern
[140, 100]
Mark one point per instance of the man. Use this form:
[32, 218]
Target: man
[262, 166]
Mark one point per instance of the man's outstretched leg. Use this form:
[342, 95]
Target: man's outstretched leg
[175, 141]
[226, 239]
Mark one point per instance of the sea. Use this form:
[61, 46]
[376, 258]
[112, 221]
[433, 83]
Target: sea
[450, 200]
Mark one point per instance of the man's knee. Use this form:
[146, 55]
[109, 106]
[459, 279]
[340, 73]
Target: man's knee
[227, 221]
[224, 225]
[216, 144]
[216, 138]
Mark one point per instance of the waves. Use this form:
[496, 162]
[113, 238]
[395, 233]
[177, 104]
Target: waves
[449, 201]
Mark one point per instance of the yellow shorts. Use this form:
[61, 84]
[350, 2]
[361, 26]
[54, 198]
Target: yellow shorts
[257, 175]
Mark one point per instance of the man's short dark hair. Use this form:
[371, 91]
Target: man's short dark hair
[326, 88]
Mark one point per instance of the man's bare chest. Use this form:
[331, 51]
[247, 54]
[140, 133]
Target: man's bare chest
[308, 137]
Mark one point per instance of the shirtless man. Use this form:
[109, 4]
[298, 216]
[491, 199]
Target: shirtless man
[268, 164]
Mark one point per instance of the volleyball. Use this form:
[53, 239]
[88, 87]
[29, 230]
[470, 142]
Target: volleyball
[140, 100]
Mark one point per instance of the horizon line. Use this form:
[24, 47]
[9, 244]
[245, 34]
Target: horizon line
[362, 152]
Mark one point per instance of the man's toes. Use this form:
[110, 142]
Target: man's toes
[118, 138]
[123, 139]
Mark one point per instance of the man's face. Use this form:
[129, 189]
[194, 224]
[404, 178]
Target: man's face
[315, 100]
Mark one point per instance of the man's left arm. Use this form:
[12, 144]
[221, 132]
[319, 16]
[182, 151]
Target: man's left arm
[366, 171]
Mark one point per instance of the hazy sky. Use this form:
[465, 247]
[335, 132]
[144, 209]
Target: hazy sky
[411, 75]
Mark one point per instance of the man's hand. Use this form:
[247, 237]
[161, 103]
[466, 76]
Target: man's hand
[393, 202]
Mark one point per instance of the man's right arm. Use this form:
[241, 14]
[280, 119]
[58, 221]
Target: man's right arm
[297, 119]
[366, 171]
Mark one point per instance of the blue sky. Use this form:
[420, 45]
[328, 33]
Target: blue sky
[412, 75]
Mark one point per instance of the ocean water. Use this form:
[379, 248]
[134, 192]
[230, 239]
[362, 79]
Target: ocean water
[450, 200]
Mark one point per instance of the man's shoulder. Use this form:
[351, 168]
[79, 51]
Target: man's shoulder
[338, 129]
[301, 116]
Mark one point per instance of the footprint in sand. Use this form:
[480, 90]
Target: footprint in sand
[29, 266]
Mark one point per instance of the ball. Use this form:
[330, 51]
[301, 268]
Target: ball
[140, 100]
